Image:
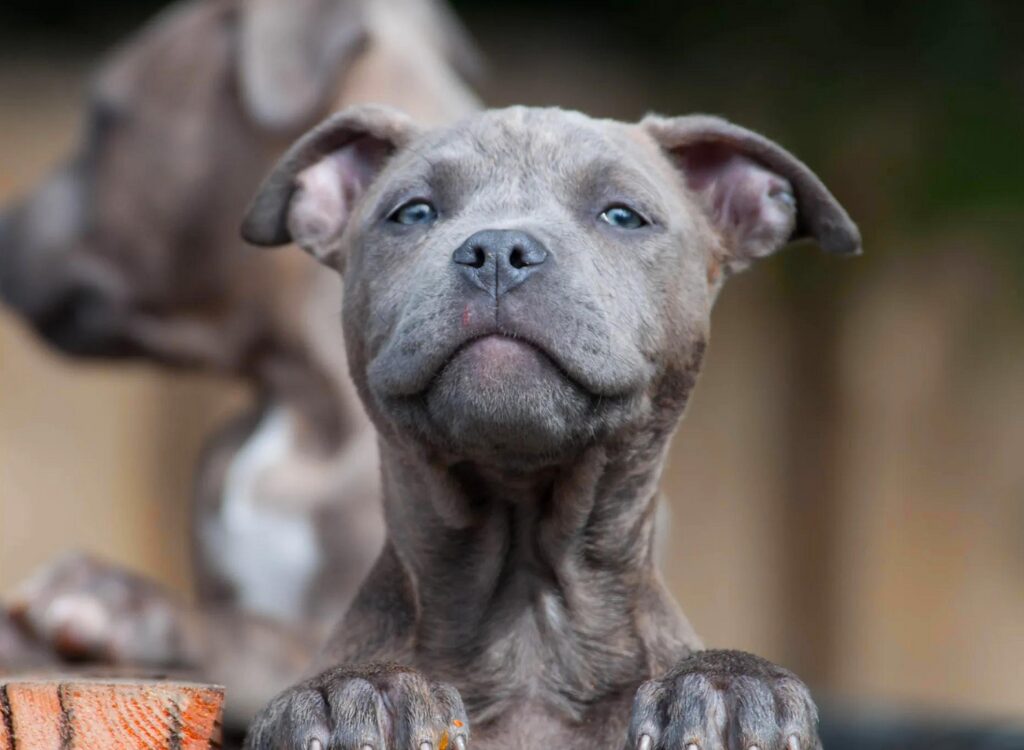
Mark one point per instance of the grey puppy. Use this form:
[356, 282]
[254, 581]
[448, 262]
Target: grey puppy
[527, 301]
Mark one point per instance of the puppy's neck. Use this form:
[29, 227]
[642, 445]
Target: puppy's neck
[599, 504]
[544, 565]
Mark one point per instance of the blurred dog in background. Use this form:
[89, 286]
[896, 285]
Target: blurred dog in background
[131, 249]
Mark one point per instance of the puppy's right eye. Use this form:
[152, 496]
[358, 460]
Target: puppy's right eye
[623, 217]
[414, 212]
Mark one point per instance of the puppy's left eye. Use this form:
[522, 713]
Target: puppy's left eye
[623, 217]
[414, 212]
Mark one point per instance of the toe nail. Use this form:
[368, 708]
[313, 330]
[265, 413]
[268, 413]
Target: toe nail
[460, 741]
[314, 744]
[644, 743]
[425, 745]
[693, 746]
[792, 743]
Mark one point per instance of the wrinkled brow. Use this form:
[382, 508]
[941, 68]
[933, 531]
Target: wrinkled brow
[444, 173]
[445, 177]
[614, 179]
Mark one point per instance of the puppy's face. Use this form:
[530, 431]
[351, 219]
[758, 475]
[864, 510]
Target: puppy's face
[530, 281]
[514, 297]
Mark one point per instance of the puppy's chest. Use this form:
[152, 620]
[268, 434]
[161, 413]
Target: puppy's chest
[541, 661]
[266, 548]
[533, 726]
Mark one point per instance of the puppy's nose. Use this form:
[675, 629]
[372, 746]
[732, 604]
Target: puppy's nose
[499, 260]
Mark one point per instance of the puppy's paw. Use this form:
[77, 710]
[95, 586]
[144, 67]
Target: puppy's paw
[87, 609]
[724, 700]
[369, 708]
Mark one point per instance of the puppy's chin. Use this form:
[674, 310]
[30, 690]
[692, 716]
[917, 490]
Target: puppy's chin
[504, 402]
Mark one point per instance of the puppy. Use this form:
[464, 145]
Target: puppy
[527, 298]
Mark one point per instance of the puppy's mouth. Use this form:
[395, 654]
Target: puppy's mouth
[479, 354]
[496, 354]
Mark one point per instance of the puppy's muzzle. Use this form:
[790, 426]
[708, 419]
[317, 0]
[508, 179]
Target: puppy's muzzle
[499, 260]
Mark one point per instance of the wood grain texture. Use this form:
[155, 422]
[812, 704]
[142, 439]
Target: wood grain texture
[108, 714]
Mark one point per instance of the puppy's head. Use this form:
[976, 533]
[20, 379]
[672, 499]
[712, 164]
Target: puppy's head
[532, 280]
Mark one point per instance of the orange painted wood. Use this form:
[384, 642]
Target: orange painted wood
[52, 713]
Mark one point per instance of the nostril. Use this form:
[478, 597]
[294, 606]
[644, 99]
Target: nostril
[473, 256]
[517, 258]
[526, 254]
[479, 257]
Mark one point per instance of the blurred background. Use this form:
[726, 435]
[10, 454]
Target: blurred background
[847, 491]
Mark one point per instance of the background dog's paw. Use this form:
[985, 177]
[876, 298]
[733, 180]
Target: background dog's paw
[371, 708]
[724, 700]
[18, 650]
[86, 609]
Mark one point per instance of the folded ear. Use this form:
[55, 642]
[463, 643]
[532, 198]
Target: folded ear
[758, 195]
[291, 54]
[310, 194]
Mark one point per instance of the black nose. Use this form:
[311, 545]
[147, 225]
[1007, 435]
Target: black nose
[499, 260]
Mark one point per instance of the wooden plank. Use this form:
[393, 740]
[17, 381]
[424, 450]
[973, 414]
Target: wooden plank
[33, 715]
[53, 713]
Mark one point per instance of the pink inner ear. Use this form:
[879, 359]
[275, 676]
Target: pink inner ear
[326, 193]
[319, 207]
[753, 209]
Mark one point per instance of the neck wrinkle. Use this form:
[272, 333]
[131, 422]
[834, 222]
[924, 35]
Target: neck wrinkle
[550, 593]
[565, 530]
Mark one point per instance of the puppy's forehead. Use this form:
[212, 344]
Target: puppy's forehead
[538, 141]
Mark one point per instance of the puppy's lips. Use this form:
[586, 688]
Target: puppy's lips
[408, 368]
[497, 351]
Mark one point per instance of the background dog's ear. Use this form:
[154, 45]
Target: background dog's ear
[291, 54]
[452, 39]
[758, 195]
[309, 195]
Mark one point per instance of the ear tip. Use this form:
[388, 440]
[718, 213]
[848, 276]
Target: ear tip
[263, 229]
[841, 238]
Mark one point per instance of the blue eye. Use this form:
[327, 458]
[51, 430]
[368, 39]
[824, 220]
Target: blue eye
[414, 212]
[623, 217]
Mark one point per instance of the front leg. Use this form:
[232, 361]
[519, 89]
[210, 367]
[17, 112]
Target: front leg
[378, 707]
[724, 700]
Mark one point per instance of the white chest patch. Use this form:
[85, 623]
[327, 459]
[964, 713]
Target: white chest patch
[270, 553]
